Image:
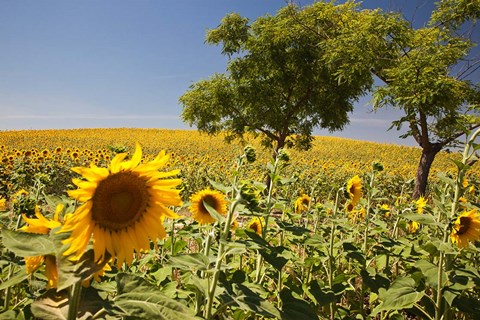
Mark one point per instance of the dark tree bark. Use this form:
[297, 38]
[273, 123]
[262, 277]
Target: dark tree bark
[423, 170]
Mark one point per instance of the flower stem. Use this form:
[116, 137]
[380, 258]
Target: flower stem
[220, 253]
[74, 301]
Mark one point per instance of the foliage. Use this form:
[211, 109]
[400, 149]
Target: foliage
[322, 262]
[282, 81]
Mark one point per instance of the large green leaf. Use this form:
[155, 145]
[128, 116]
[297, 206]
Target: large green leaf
[294, 308]
[25, 244]
[426, 219]
[138, 299]
[53, 305]
[248, 300]
[400, 295]
[196, 261]
[430, 272]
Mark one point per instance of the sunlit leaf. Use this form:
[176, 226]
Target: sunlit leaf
[402, 294]
[25, 244]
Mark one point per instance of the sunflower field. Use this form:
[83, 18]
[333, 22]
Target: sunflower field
[174, 224]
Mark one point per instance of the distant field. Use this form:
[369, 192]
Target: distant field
[330, 233]
[199, 156]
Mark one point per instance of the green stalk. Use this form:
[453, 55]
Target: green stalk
[74, 301]
[330, 253]
[264, 228]
[365, 239]
[8, 290]
[221, 251]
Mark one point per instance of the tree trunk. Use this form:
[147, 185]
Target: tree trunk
[426, 160]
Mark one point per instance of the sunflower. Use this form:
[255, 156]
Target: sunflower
[357, 215]
[214, 199]
[123, 207]
[3, 204]
[354, 189]
[413, 226]
[302, 204]
[385, 209]
[42, 225]
[421, 203]
[466, 228]
[256, 224]
[349, 207]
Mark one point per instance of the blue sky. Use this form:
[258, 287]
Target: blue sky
[125, 63]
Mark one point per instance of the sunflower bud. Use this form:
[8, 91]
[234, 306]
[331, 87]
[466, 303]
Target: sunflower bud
[377, 166]
[249, 195]
[250, 154]
[283, 155]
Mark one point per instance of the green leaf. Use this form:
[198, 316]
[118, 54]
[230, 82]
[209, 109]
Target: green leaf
[295, 229]
[400, 295]
[19, 276]
[274, 257]
[319, 296]
[138, 299]
[234, 248]
[430, 272]
[54, 305]
[26, 244]
[425, 219]
[196, 261]
[294, 308]
[248, 300]
[70, 272]
[217, 216]
[179, 245]
[374, 281]
[219, 186]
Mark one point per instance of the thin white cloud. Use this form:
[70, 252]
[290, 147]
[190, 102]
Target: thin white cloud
[88, 117]
[371, 121]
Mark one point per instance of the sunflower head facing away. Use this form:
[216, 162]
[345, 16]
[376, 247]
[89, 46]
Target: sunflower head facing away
[302, 203]
[354, 189]
[214, 199]
[123, 207]
[466, 228]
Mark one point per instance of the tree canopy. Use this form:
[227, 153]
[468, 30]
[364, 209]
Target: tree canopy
[282, 80]
[428, 80]
[306, 66]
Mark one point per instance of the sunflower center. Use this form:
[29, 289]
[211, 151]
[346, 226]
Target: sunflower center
[464, 225]
[119, 200]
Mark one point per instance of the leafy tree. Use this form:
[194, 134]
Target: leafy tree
[429, 80]
[426, 71]
[282, 80]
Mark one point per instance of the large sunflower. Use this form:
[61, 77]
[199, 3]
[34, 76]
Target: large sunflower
[302, 203]
[213, 198]
[42, 225]
[466, 228]
[123, 207]
[354, 189]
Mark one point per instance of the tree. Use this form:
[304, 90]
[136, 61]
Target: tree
[428, 80]
[426, 71]
[281, 81]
